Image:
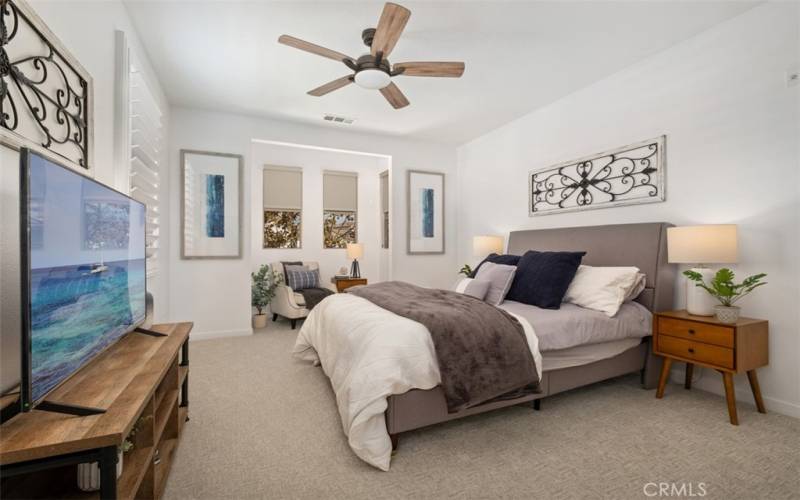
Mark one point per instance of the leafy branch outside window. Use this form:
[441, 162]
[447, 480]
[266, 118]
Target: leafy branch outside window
[282, 228]
[339, 228]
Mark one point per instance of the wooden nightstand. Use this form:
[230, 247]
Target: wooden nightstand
[343, 284]
[702, 340]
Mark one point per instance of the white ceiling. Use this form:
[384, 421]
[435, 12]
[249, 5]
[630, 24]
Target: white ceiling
[519, 56]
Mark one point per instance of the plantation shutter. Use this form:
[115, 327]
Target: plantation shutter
[283, 188]
[147, 142]
[339, 191]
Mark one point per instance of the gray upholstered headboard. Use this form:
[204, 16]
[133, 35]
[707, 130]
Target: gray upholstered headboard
[640, 245]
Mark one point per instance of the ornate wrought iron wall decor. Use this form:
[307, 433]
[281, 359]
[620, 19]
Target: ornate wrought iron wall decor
[44, 93]
[625, 176]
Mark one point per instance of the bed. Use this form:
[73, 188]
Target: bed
[409, 398]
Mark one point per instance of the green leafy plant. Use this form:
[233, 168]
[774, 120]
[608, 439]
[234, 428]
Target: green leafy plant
[262, 291]
[466, 270]
[722, 286]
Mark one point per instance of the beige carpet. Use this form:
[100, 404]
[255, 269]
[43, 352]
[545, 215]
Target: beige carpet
[265, 426]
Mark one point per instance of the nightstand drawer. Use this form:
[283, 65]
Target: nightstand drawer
[701, 332]
[697, 351]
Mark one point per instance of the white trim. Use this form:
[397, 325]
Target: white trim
[707, 382]
[319, 148]
[219, 334]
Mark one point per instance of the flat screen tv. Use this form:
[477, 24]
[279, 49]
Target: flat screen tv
[83, 272]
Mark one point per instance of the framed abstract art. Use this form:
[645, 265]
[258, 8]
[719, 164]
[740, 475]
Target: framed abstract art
[425, 202]
[211, 194]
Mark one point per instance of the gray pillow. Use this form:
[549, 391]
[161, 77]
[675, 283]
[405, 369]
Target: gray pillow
[472, 287]
[499, 277]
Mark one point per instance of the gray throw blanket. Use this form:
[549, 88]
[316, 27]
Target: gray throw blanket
[482, 350]
[314, 296]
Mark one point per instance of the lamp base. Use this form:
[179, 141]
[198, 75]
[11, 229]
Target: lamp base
[698, 301]
[355, 270]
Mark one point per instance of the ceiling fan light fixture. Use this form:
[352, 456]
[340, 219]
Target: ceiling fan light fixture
[372, 79]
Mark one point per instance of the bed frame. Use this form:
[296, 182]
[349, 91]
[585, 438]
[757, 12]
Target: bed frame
[640, 245]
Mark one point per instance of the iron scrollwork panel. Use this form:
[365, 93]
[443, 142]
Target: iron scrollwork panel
[44, 98]
[630, 175]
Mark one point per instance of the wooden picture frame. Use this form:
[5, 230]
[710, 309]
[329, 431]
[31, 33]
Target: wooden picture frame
[425, 204]
[219, 235]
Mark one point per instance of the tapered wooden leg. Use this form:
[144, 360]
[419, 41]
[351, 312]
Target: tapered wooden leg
[662, 382]
[537, 404]
[294, 323]
[730, 396]
[395, 441]
[687, 383]
[753, 378]
[274, 317]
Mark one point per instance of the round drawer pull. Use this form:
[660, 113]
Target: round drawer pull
[691, 331]
[691, 350]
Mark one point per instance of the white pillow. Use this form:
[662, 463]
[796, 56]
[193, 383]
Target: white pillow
[637, 288]
[603, 289]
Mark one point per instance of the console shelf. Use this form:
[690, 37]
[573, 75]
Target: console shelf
[142, 382]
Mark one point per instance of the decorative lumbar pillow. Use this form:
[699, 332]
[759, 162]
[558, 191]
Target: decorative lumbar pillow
[602, 288]
[499, 277]
[505, 259]
[472, 287]
[637, 288]
[287, 264]
[542, 278]
[300, 279]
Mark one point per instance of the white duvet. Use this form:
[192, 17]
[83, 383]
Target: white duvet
[369, 354]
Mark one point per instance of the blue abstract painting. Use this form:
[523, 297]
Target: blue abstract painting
[426, 197]
[215, 206]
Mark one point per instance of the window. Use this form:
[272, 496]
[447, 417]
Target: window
[146, 144]
[385, 209]
[340, 212]
[283, 207]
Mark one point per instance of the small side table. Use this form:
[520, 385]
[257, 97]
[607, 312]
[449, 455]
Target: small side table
[729, 348]
[343, 284]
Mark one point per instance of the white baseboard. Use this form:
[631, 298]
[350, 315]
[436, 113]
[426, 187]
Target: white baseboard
[219, 334]
[711, 382]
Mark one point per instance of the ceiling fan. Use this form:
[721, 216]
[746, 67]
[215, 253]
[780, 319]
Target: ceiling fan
[374, 71]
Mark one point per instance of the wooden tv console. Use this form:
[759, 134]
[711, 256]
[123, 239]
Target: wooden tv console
[142, 382]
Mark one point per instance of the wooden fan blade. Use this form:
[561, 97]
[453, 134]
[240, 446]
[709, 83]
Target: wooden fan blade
[313, 48]
[394, 96]
[331, 86]
[443, 69]
[390, 27]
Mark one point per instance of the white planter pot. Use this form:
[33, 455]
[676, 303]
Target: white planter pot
[259, 321]
[727, 314]
[89, 474]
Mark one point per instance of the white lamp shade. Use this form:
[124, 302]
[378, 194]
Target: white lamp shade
[484, 245]
[709, 244]
[355, 250]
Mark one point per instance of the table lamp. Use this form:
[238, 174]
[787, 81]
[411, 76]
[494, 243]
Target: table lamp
[699, 246]
[485, 245]
[355, 251]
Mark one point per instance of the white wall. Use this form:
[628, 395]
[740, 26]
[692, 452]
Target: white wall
[215, 294]
[87, 30]
[732, 153]
[314, 162]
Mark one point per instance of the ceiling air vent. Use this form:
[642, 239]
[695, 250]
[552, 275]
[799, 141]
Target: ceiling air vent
[338, 119]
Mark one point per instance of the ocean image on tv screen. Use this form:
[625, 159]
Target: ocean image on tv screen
[87, 271]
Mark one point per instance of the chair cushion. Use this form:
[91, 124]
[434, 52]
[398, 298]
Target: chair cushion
[300, 280]
[299, 299]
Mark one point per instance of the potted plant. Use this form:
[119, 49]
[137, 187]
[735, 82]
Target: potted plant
[466, 270]
[726, 291]
[262, 291]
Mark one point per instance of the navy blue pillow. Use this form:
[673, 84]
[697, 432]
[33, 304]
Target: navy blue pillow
[542, 278]
[508, 260]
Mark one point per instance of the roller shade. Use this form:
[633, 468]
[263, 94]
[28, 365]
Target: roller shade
[283, 188]
[340, 191]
